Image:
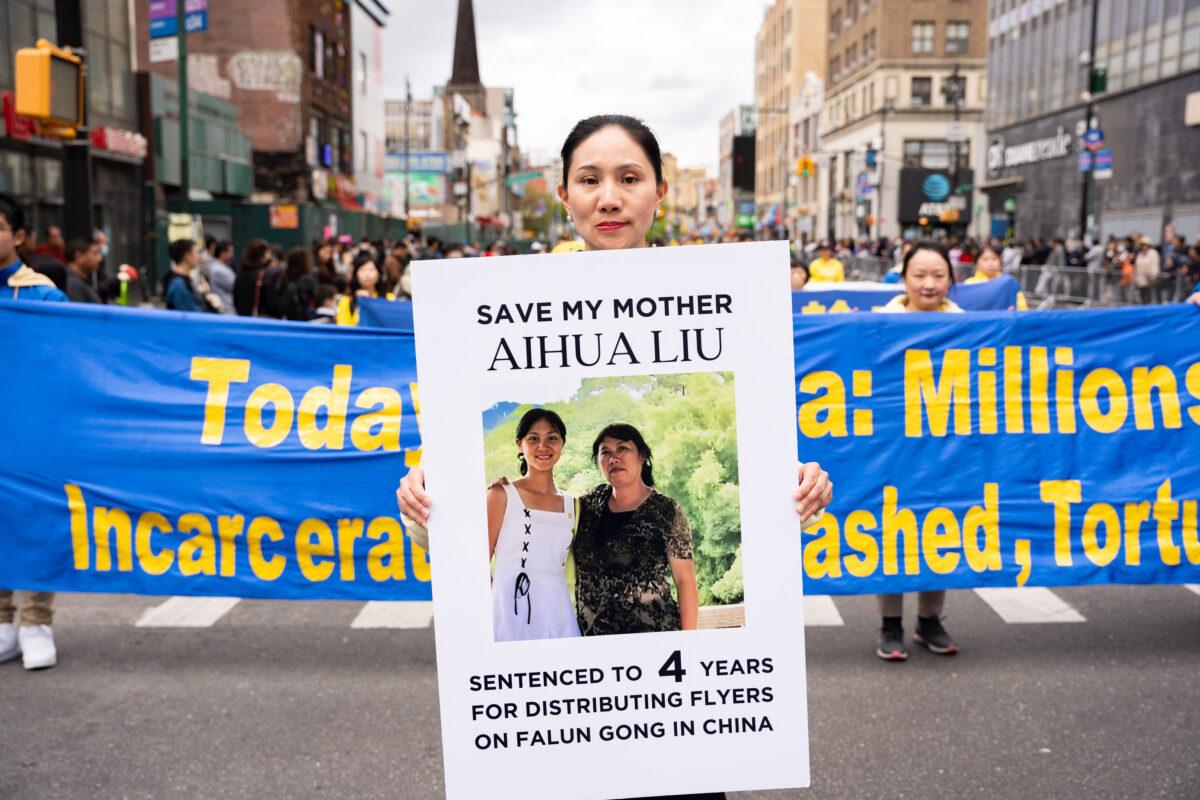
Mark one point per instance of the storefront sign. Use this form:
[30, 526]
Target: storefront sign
[285, 217]
[319, 184]
[930, 193]
[116, 140]
[1001, 155]
[15, 125]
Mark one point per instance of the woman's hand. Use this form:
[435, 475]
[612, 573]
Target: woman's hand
[814, 492]
[411, 497]
[1195, 299]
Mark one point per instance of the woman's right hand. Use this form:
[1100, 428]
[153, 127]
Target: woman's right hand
[411, 497]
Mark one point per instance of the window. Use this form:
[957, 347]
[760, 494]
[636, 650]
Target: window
[364, 168]
[316, 61]
[926, 154]
[852, 58]
[922, 91]
[870, 48]
[851, 5]
[958, 37]
[954, 89]
[835, 23]
[835, 68]
[922, 38]
[362, 72]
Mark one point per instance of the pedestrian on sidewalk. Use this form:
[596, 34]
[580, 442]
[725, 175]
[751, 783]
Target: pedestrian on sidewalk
[83, 262]
[25, 631]
[179, 290]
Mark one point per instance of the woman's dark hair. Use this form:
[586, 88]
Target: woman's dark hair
[624, 432]
[636, 129]
[531, 418]
[927, 244]
[254, 254]
[299, 262]
[986, 248]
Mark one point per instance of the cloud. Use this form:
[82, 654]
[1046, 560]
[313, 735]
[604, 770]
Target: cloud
[680, 65]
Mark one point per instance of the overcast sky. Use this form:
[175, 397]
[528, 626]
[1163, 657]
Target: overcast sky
[680, 65]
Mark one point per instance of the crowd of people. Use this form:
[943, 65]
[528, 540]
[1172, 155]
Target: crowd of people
[1130, 269]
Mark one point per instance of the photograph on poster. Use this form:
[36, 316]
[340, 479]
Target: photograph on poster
[620, 512]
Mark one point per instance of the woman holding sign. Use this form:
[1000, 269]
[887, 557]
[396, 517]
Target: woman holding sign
[927, 277]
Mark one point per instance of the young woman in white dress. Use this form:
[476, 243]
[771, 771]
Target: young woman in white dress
[530, 528]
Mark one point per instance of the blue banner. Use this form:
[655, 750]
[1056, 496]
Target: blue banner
[168, 453]
[999, 294]
[376, 312]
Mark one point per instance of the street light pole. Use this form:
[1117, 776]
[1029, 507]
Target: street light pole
[407, 103]
[185, 175]
[1087, 122]
[77, 162]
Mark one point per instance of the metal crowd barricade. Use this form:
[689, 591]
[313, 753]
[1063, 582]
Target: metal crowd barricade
[867, 268]
[1079, 287]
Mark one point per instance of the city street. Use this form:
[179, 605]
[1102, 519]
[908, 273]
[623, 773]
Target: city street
[305, 699]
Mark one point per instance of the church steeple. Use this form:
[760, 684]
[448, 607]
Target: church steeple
[465, 72]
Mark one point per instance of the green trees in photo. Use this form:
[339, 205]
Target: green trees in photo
[690, 425]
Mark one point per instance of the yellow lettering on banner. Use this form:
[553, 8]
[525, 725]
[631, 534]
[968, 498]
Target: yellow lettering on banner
[1062, 494]
[1014, 401]
[1118, 400]
[218, 373]
[1192, 380]
[412, 458]
[348, 532]
[387, 418]
[267, 569]
[229, 528]
[985, 557]
[152, 563]
[1064, 390]
[77, 508]
[269, 394]
[1039, 390]
[1101, 554]
[1191, 541]
[198, 554]
[1135, 515]
[822, 554]
[1024, 562]
[1166, 511]
[940, 532]
[830, 402]
[864, 423]
[308, 551]
[987, 391]
[953, 390]
[1162, 380]
[112, 520]
[420, 561]
[385, 561]
[335, 401]
[865, 560]
[895, 522]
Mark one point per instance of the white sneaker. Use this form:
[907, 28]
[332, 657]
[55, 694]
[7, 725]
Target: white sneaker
[37, 644]
[9, 647]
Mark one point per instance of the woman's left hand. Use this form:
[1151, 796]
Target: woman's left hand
[814, 492]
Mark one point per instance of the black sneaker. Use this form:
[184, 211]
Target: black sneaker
[891, 643]
[929, 632]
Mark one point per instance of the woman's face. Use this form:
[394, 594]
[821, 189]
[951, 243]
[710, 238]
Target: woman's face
[542, 446]
[799, 278]
[368, 276]
[620, 462]
[611, 192]
[927, 281]
[324, 253]
[989, 263]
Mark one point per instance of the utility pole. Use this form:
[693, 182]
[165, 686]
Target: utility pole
[77, 161]
[185, 177]
[1087, 121]
[957, 91]
[407, 104]
[882, 161]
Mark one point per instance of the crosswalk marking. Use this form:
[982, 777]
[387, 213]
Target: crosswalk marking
[819, 611]
[187, 612]
[394, 614]
[1192, 587]
[1029, 604]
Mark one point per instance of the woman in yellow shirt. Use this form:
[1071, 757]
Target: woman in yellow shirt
[364, 282]
[987, 267]
[927, 278]
[825, 267]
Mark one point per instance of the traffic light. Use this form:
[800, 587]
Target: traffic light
[49, 85]
[805, 166]
[1099, 81]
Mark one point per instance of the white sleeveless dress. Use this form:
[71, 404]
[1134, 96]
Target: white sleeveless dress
[529, 584]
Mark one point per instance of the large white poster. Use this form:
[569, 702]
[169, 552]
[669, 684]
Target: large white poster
[624, 617]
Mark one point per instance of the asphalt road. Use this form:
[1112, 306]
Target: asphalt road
[286, 700]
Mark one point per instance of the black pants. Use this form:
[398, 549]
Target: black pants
[711, 796]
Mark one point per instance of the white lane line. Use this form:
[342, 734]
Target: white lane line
[394, 614]
[819, 611]
[187, 612]
[1029, 604]
[1192, 587]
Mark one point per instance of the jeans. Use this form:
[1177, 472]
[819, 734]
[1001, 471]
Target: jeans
[929, 604]
[37, 608]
